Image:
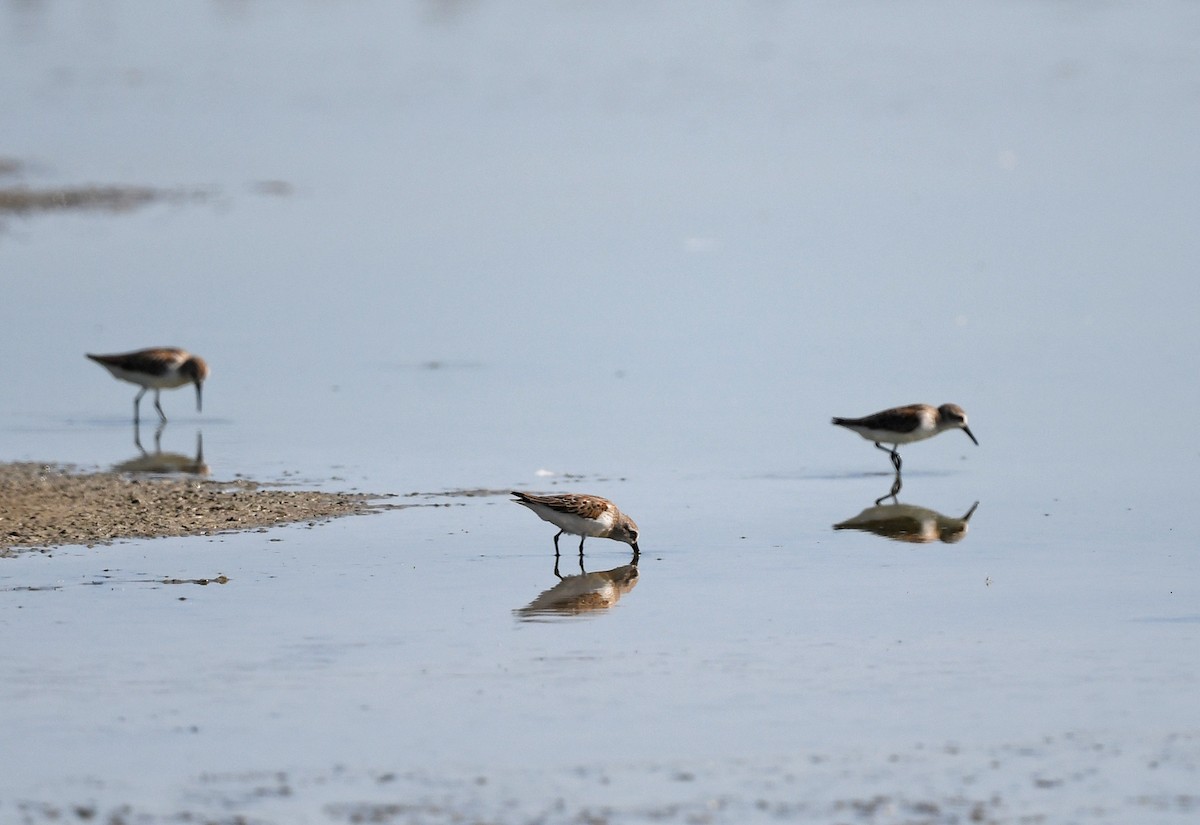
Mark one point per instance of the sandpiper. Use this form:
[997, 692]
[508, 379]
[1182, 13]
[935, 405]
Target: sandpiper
[904, 425]
[582, 516]
[157, 368]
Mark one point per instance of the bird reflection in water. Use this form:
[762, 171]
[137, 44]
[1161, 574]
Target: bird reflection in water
[586, 593]
[908, 522]
[160, 462]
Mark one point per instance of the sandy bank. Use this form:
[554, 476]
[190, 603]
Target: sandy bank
[44, 505]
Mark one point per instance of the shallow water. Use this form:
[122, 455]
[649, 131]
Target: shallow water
[646, 254]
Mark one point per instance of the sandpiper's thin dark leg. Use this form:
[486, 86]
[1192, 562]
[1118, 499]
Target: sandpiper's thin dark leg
[158, 407]
[137, 400]
[892, 451]
[556, 573]
[581, 570]
[556, 535]
[581, 538]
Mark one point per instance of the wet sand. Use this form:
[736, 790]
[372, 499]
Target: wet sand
[45, 505]
[21, 199]
[1066, 778]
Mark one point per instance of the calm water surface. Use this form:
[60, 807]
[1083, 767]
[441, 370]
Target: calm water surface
[643, 252]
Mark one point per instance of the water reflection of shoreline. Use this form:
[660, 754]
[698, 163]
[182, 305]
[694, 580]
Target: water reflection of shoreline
[160, 462]
[909, 523]
[583, 593]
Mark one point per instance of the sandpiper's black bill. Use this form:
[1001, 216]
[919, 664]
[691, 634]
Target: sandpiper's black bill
[970, 435]
[198, 404]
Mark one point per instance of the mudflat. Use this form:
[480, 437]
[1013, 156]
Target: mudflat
[46, 505]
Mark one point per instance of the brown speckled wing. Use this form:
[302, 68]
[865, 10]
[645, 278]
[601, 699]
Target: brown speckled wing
[573, 503]
[154, 361]
[897, 420]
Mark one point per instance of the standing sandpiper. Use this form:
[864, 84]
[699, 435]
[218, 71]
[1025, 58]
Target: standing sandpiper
[157, 368]
[582, 516]
[904, 425]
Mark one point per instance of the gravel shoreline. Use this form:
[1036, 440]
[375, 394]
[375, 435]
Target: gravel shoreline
[47, 505]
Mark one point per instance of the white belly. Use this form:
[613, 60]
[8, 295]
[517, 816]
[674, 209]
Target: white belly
[575, 525]
[888, 437]
[167, 381]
